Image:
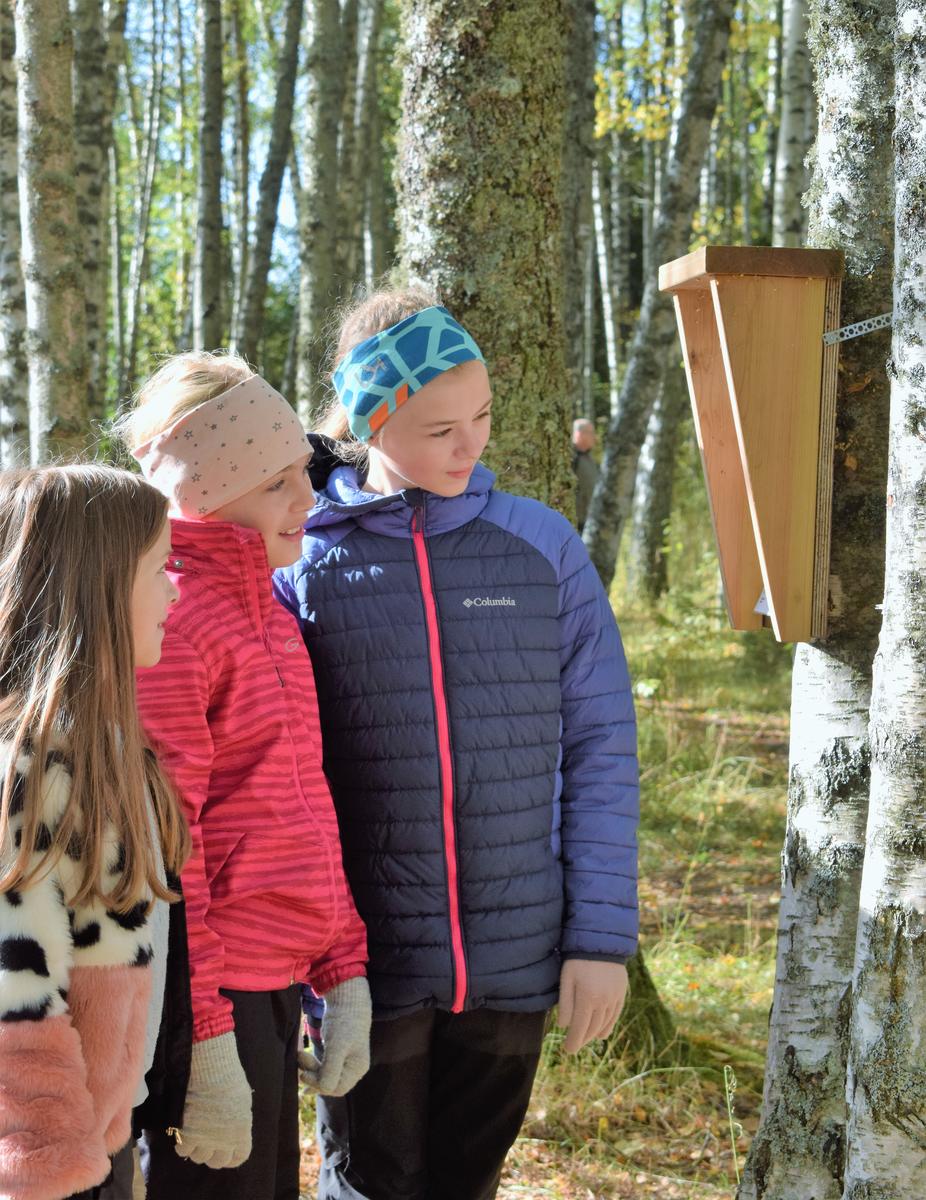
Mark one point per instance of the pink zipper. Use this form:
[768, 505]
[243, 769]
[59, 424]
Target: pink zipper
[446, 762]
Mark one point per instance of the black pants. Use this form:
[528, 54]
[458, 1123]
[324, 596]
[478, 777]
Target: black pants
[119, 1184]
[438, 1110]
[267, 1033]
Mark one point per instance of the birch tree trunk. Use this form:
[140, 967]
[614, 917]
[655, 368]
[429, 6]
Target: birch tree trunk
[606, 266]
[788, 223]
[887, 1038]
[578, 158]
[208, 325]
[144, 193]
[51, 245]
[619, 184]
[479, 172]
[242, 127]
[251, 315]
[319, 199]
[14, 369]
[182, 245]
[655, 487]
[92, 132]
[772, 109]
[799, 1149]
[613, 498]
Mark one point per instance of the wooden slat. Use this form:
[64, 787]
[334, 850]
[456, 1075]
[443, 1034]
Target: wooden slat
[771, 342]
[720, 457]
[694, 270]
[828, 383]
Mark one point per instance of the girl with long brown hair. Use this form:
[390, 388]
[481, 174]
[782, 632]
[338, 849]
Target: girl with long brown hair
[89, 827]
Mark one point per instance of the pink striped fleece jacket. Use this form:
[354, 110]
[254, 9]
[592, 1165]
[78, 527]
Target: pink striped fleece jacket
[231, 711]
[75, 985]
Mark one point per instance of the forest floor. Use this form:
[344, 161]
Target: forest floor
[713, 742]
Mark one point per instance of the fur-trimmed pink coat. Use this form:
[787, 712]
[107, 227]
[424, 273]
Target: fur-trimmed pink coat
[74, 993]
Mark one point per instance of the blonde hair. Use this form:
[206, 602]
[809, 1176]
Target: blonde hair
[360, 320]
[70, 542]
[180, 384]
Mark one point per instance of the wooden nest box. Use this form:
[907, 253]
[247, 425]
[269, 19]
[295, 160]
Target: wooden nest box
[763, 390]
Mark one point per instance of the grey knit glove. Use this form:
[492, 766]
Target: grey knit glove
[217, 1115]
[345, 1041]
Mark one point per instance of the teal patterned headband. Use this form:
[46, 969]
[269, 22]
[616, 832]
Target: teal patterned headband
[379, 374]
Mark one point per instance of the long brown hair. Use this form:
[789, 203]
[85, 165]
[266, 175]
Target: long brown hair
[361, 319]
[70, 541]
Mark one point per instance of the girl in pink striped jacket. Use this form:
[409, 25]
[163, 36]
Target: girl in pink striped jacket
[231, 710]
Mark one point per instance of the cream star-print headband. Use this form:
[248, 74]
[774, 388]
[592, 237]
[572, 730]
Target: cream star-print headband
[224, 448]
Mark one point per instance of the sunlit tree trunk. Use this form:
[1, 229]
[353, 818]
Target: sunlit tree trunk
[51, 244]
[799, 1149]
[144, 194]
[578, 157]
[479, 172]
[653, 500]
[319, 198]
[251, 316]
[208, 283]
[242, 160]
[887, 1037]
[796, 98]
[93, 117]
[14, 370]
[613, 499]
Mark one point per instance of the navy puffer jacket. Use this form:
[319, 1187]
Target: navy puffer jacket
[479, 738]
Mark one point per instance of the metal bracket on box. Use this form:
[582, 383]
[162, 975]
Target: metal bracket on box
[869, 325]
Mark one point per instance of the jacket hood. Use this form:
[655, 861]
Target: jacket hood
[339, 496]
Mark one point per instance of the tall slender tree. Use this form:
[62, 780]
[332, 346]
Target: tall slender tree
[481, 210]
[612, 502]
[799, 1149]
[51, 244]
[251, 310]
[319, 197]
[208, 283]
[796, 100]
[578, 157]
[92, 130]
[887, 1038]
[14, 370]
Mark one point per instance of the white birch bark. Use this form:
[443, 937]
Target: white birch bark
[14, 371]
[609, 317]
[92, 132]
[798, 1152]
[51, 245]
[886, 1089]
[772, 107]
[788, 222]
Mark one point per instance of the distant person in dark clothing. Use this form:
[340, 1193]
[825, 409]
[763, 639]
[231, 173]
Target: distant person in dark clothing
[584, 465]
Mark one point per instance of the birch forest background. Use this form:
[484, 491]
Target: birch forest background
[227, 173]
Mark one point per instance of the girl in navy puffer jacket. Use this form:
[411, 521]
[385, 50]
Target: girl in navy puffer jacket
[480, 743]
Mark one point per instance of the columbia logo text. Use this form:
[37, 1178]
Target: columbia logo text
[489, 602]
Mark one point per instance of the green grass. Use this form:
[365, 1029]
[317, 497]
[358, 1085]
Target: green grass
[713, 739]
